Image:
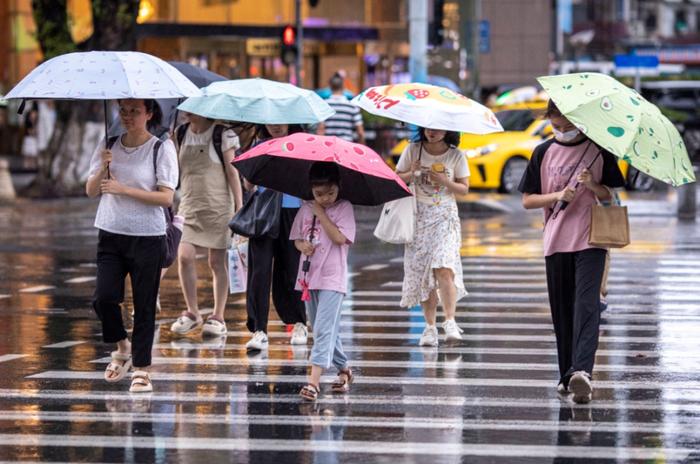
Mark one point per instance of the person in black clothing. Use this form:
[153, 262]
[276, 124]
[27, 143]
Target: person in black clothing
[564, 177]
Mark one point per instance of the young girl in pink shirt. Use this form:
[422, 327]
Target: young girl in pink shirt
[323, 231]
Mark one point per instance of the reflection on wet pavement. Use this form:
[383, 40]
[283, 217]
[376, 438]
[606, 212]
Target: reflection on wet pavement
[490, 398]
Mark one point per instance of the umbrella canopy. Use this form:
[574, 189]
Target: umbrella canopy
[283, 164]
[429, 106]
[104, 75]
[198, 76]
[259, 101]
[623, 122]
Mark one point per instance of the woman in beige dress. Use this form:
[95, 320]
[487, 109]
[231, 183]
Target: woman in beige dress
[210, 195]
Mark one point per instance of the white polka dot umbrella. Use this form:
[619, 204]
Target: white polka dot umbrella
[102, 75]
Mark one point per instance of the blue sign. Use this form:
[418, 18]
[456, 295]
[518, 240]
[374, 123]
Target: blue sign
[636, 61]
[565, 15]
[484, 36]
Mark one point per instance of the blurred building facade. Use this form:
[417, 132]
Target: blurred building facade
[19, 51]
[671, 28]
[482, 42]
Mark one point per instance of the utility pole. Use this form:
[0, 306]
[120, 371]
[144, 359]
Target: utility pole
[300, 43]
[418, 38]
[469, 40]
[476, 92]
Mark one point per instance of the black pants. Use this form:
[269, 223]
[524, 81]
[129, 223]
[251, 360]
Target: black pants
[274, 262]
[573, 282]
[141, 258]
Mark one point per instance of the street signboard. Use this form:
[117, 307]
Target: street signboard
[263, 47]
[636, 61]
[636, 65]
[484, 36]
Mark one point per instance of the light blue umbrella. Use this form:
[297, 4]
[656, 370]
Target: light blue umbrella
[259, 101]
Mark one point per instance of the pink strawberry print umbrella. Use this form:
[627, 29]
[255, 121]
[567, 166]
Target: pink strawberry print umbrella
[283, 164]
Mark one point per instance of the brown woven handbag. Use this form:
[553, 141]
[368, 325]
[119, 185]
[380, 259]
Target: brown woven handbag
[610, 227]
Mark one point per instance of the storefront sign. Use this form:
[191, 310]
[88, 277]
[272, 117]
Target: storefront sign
[262, 47]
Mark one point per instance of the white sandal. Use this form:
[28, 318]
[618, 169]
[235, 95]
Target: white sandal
[214, 328]
[186, 323]
[141, 382]
[120, 365]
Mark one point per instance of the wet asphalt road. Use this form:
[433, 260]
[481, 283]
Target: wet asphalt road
[490, 398]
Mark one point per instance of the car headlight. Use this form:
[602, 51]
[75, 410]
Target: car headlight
[481, 151]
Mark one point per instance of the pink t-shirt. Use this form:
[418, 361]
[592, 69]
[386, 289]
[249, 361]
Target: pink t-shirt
[329, 263]
[569, 230]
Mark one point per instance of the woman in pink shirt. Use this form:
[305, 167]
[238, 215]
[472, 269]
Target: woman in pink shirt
[323, 231]
[571, 170]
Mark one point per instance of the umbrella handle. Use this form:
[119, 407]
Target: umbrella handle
[561, 205]
[104, 105]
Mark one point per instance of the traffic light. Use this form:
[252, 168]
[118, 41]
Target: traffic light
[436, 32]
[288, 48]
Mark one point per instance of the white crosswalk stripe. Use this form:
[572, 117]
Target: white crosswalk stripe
[455, 402]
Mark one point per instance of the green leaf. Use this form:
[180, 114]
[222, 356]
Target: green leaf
[616, 131]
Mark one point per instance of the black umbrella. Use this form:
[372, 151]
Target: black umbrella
[199, 76]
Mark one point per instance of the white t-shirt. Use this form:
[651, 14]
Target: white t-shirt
[133, 167]
[455, 167]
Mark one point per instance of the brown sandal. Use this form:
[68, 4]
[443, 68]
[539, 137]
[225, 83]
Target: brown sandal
[310, 392]
[343, 382]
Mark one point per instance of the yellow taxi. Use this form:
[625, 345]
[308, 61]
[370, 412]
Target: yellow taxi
[498, 160]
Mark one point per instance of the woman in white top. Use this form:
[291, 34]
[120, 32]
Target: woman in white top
[133, 188]
[432, 261]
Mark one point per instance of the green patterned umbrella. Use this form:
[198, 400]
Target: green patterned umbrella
[623, 122]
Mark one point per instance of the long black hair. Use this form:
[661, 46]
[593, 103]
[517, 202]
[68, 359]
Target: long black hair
[451, 137]
[263, 134]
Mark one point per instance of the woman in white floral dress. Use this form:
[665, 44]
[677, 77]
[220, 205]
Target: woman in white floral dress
[432, 261]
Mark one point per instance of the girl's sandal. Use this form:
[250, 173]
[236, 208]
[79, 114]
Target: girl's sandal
[310, 392]
[342, 383]
[141, 382]
[118, 367]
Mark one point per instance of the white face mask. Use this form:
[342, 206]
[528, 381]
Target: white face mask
[567, 136]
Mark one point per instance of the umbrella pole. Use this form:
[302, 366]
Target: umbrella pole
[307, 265]
[561, 205]
[179, 100]
[104, 105]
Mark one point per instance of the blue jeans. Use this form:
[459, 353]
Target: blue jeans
[324, 313]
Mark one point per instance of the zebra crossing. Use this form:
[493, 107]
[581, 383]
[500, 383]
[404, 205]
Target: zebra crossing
[490, 398]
